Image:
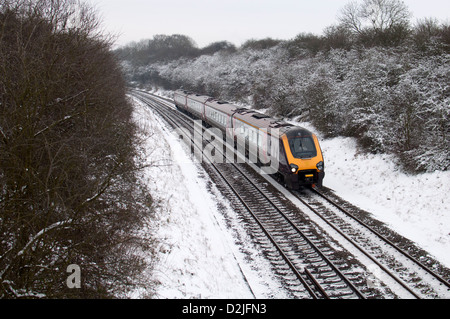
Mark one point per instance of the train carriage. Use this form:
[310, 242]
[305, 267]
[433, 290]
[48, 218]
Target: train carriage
[180, 99]
[219, 114]
[297, 150]
[195, 104]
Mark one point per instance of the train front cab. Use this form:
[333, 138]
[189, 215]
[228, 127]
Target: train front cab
[301, 159]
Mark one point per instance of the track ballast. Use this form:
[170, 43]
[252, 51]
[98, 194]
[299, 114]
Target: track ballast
[307, 260]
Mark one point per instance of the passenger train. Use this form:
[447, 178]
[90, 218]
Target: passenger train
[299, 156]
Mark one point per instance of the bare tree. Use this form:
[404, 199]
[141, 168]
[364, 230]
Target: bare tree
[350, 17]
[385, 14]
[68, 189]
[385, 20]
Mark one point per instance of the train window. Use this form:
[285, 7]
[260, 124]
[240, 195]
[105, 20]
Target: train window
[302, 147]
[264, 142]
[282, 157]
[238, 127]
[253, 137]
[269, 145]
[260, 140]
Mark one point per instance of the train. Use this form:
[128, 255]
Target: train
[300, 160]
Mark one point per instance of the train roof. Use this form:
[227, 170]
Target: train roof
[249, 116]
[199, 97]
[182, 92]
[260, 120]
[222, 106]
[297, 131]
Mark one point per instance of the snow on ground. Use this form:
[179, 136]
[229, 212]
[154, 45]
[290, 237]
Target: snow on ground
[198, 257]
[415, 206]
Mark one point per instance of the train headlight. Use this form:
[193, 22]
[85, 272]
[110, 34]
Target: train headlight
[294, 168]
[320, 166]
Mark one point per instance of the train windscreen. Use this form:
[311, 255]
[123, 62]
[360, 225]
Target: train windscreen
[302, 147]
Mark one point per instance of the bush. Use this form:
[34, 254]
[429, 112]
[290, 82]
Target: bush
[372, 77]
[67, 158]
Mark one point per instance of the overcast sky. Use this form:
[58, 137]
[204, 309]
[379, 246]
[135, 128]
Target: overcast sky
[207, 21]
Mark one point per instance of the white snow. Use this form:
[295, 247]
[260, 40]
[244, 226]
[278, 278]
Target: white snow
[417, 207]
[198, 257]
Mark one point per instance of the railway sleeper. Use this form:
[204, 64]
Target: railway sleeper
[339, 287]
[327, 274]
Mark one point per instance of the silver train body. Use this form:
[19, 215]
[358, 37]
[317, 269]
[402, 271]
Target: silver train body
[297, 150]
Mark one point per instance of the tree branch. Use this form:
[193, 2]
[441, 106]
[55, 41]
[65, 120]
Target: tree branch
[33, 239]
[5, 139]
[66, 118]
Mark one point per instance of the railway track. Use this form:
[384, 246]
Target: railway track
[316, 265]
[307, 260]
[386, 254]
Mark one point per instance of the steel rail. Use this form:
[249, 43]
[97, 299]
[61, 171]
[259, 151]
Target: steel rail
[361, 249]
[398, 280]
[299, 231]
[293, 268]
[389, 242]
